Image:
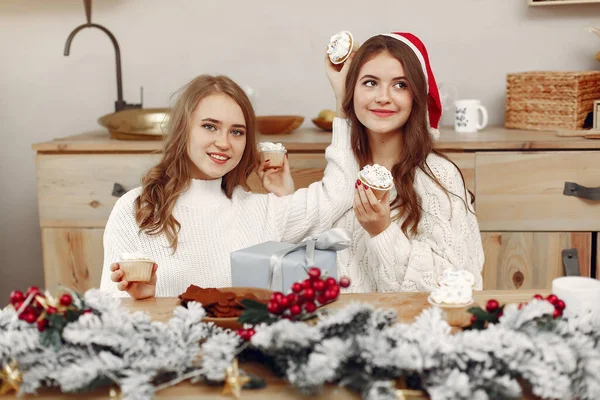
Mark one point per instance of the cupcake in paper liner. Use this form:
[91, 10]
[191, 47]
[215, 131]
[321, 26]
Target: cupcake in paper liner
[136, 267]
[455, 296]
[275, 152]
[378, 178]
[340, 46]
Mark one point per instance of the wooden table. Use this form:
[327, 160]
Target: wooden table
[407, 306]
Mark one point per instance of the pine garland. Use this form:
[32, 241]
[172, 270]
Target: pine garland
[358, 347]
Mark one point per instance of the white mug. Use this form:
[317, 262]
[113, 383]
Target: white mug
[467, 116]
[579, 293]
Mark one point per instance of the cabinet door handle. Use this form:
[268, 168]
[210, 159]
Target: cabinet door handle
[118, 190]
[570, 260]
[573, 189]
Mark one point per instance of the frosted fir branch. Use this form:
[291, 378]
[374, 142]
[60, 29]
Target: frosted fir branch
[218, 353]
[285, 336]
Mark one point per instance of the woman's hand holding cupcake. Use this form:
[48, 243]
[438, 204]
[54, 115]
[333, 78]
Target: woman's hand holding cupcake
[372, 214]
[137, 290]
[337, 76]
[277, 180]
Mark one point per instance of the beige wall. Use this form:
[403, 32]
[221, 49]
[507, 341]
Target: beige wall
[274, 46]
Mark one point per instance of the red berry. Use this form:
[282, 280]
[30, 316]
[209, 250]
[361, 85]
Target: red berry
[277, 296]
[296, 287]
[42, 324]
[538, 297]
[329, 295]
[16, 296]
[292, 298]
[32, 290]
[319, 285]
[552, 299]
[308, 294]
[29, 317]
[521, 305]
[307, 284]
[295, 309]
[66, 299]
[335, 290]
[321, 299]
[556, 313]
[243, 333]
[492, 305]
[51, 310]
[560, 305]
[250, 332]
[87, 311]
[344, 281]
[330, 282]
[310, 307]
[473, 318]
[501, 313]
[272, 307]
[314, 273]
[18, 305]
[283, 303]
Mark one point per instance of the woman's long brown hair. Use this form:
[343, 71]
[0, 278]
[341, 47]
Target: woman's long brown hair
[165, 182]
[417, 143]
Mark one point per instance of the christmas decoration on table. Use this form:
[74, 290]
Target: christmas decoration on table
[529, 346]
[108, 346]
[301, 303]
[10, 378]
[234, 381]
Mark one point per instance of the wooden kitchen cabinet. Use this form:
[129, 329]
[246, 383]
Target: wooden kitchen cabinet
[517, 176]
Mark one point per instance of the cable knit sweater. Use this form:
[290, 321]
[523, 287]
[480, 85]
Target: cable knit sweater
[447, 235]
[212, 226]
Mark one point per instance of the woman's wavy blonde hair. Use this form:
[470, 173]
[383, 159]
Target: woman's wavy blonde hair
[165, 182]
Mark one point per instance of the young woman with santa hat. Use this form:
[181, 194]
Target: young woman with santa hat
[426, 222]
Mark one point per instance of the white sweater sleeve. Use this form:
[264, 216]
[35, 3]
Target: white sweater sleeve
[314, 209]
[120, 236]
[447, 236]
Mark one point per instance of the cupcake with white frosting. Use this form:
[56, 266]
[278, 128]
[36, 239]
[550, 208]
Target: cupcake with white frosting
[378, 178]
[340, 47]
[136, 267]
[275, 152]
[454, 295]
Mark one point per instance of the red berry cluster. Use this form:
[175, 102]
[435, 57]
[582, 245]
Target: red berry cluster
[307, 295]
[246, 334]
[559, 305]
[39, 308]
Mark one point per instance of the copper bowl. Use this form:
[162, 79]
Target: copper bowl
[263, 295]
[324, 124]
[278, 124]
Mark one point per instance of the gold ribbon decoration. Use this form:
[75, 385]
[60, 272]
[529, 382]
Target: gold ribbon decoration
[11, 378]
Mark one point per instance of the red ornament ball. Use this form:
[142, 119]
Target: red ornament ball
[16, 296]
[295, 309]
[319, 285]
[296, 287]
[560, 305]
[492, 306]
[314, 273]
[330, 282]
[552, 299]
[66, 299]
[344, 281]
[308, 294]
[310, 307]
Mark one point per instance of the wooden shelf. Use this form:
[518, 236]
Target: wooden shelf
[539, 3]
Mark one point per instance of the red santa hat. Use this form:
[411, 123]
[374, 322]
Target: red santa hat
[434, 104]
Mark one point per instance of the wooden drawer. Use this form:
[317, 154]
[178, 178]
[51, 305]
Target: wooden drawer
[524, 191]
[73, 257]
[531, 260]
[75, 190]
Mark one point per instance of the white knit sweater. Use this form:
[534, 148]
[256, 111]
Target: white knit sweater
[447, 235]
[212, 226]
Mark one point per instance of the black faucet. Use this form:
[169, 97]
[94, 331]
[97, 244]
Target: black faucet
[120, 104]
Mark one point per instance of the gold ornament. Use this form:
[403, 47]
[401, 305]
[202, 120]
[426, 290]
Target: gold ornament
[233, 381]
[11, 378]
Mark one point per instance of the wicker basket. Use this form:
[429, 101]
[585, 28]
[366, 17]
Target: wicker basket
[550, 100]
